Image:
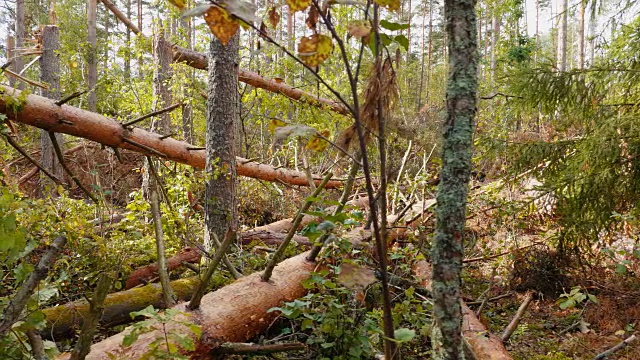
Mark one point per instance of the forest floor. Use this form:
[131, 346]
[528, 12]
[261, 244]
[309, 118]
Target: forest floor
[581, 330]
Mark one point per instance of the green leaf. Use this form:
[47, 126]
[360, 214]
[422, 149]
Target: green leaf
[568, 304]
[404, 334]
[393, 26]
[403, 41]
[593, 299]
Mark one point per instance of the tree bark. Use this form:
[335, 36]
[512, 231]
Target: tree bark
[222, 116]
[447, 247]
[45, 114]
[50, 74]
[92, 55]
[234, 313]
[147, 273]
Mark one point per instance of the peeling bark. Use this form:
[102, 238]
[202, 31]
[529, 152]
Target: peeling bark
[45, 114]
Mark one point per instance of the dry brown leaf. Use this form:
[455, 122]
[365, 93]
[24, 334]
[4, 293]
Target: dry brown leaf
[274, 17]
[312, 18]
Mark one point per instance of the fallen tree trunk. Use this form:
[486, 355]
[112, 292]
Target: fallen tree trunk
[479, 341]
[234, 313]
[147, 273]
[45, 114]
[201, 61]
[64, 320]
[193, 255]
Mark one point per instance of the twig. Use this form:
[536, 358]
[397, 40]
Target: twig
[70, 97]
[167, 293]
[484, 258]
[627, 341]
[144, 147]
[60, 156]
[16, 146]
[28, 81]
[37, 346]
[517, 317]
[266, 275]
[495, 298]
[90, 322]
[154, 113]
[204, 283]
[255, 349]
[13, 311]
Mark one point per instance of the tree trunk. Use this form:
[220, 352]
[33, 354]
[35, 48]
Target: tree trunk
[92, 55]
[496, 21]
[482, 344]
[45, 114]
[18, 62]
[140, 70]
[161, 99]
[581, 41]
[11, 45]
[127, 53]
[592, 36]
[447, 247]
[562, 35]
[50, 74]
[234, 313]
[222, 116]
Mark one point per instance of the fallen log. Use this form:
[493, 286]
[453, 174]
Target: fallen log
[234, 313]
[192, 255]
[201, 61]
[146, 273]
[64, 320]
[45, 114]
[479, 341]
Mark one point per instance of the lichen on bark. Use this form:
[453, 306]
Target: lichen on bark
[447, 248]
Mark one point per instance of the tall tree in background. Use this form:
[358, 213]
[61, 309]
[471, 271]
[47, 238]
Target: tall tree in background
[50, 74]
[92, 55]
[222, 117]
[18, 62]
[447, 248]
[496, 22]
[562, 34]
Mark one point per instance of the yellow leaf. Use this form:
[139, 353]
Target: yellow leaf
[392, 5]
[359, 29]
[222, 25]
[178, 3]
[274, 124]
[298, 5]
[317, 143]
[315, 49]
